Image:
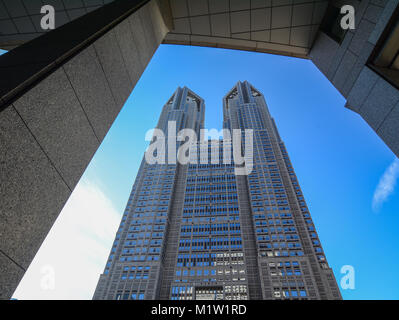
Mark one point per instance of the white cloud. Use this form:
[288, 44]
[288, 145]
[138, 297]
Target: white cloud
[75, 249]
[386, 185]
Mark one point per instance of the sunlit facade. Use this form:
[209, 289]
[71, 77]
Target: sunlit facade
[201, 231]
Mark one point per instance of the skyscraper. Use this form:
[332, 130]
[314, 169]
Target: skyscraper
[200, 231]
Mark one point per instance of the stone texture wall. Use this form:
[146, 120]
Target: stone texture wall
[49, 134]
[344, 64]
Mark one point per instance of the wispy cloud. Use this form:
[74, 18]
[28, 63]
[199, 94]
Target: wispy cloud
[75, 250]
[386, 185]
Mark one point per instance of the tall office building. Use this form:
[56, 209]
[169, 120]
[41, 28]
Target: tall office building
[199, 231]
[112, 42]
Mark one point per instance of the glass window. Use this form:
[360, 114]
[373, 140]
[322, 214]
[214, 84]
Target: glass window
[331, 24]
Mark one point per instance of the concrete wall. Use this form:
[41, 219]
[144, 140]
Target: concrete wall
[344, 65]
[20, 19]
[50, 133]
[278, 27]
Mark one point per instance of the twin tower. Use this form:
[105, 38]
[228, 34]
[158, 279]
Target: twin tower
[199, 231]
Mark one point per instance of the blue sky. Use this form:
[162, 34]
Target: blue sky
[340, 163]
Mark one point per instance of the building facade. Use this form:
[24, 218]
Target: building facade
[54, 116]
[201, 231]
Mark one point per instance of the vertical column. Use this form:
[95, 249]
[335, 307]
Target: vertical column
[58, 99]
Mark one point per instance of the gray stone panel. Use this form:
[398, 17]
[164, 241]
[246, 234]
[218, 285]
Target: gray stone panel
[92, 89]
[32, 192]
[352, 77]
[158, 13]
[11, 274]
[323, 52]
[344, 64]
[386, 14]
[114, 67]
[339, 55]
[364, 83]
[380, 3]
[56, 118]
[357, 68]
[144, 21]
[373, 13]
[389, 130]
[148, 29]
[130, 51]
[366, 92]
[140, 39]
[362, 34]
[360, 9]
[381, 100]
[347, 63]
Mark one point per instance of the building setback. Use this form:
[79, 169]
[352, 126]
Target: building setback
[199, 231]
